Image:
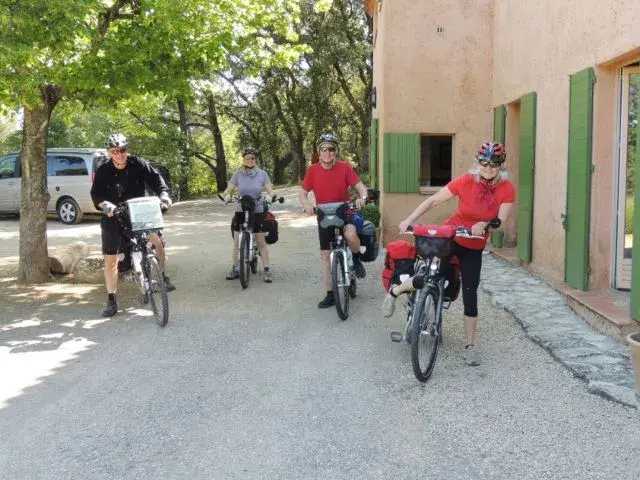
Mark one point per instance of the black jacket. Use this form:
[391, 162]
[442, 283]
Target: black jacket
[117, 186]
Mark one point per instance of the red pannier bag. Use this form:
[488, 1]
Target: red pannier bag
[398, 260]
[434, 240]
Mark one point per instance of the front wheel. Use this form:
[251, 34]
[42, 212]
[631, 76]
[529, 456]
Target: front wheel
[244, 260]
[425, 334]
[157, 291]
[69, 212]
[339, 285]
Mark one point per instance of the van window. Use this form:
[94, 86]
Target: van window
[64, 166]
[8, 167]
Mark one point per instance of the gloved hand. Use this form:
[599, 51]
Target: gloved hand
[108, 208]
[166, 200]
[227, 198]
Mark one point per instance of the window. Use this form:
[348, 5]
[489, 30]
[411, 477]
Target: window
[435, 160]
[63, 166]
[8, 167]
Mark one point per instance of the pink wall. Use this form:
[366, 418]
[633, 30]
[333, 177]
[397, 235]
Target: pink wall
[433, 82]
[491, 52]
[537, 45]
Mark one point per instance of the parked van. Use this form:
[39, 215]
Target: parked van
[70, 173]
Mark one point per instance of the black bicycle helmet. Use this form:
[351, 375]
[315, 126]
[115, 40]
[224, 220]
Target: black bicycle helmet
[250, 151]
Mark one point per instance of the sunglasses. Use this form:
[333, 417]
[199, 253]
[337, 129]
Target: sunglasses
[487, 163]
[120, 150]
[327, 149]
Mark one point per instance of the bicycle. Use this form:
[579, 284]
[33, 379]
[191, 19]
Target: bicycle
[427, 293]
[343, 278]
[248, 246]
[138, 218]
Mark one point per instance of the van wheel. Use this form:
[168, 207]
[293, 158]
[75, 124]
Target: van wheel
[69, 212]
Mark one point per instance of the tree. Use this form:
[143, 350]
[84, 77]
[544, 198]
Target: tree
[98, 51]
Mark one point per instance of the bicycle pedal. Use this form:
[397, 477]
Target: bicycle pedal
[396, 337]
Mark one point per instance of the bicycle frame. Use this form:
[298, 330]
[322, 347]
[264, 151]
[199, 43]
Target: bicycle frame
[339, 246]
[141, 251]
[248, 230]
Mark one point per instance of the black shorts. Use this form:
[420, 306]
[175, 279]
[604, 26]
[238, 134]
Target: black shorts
[326, 235]
[113, 240]
[238, 220]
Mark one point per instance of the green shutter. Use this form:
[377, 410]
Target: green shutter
[635, 252]
[499, 123]
[401, 162]
[526, 175]
[373, 153]
[578, 209]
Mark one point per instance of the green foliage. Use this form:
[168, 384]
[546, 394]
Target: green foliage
[10, 135]
[628, 215]
[371, 212]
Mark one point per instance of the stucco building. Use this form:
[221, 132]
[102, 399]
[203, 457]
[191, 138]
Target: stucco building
[558, 83]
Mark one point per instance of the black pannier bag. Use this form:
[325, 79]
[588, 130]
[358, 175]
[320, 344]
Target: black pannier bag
[368, 240]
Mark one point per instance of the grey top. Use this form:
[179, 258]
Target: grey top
[251, 184]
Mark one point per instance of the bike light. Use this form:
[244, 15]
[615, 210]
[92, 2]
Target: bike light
[435, 264]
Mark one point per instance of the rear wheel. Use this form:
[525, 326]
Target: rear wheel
[157, 292]
[254, 262]
[244, 259]
[339, 285]
[425, 334]
[353, 288]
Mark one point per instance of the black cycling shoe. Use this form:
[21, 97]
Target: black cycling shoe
[358, 268]
[111, 309]
[328, 301]
[170, 286]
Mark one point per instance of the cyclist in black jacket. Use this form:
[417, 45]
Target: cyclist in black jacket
[120, 179]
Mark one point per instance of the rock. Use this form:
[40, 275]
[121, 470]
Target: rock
[65, 258]
[89, 269]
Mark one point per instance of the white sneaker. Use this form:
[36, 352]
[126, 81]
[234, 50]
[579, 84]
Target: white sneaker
[388, 305]
[471, 356]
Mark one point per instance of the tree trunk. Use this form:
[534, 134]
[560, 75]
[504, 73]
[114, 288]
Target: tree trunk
[299, 165]
[221, 160]
[185, 164]
[34, 260]
[279, 166]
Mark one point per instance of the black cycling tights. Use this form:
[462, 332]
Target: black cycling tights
[470, 265]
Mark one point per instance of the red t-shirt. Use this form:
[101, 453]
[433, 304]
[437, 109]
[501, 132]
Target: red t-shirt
[330, 185]
[478, 202]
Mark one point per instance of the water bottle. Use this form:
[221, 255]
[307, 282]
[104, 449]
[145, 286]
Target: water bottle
[349, 258]
[136, 260]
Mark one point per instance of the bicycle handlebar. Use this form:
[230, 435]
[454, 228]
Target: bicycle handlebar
[464, 232]
[352, 204]
[273, 199]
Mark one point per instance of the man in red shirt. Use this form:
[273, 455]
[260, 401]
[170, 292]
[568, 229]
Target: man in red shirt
[483, 193]
[330, 180]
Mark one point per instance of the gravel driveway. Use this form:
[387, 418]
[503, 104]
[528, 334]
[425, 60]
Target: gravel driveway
[261, 384]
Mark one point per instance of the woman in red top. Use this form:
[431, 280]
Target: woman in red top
[483, 193]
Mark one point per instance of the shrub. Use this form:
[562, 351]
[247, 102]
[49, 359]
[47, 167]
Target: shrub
[628, 217]
[371, 212]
